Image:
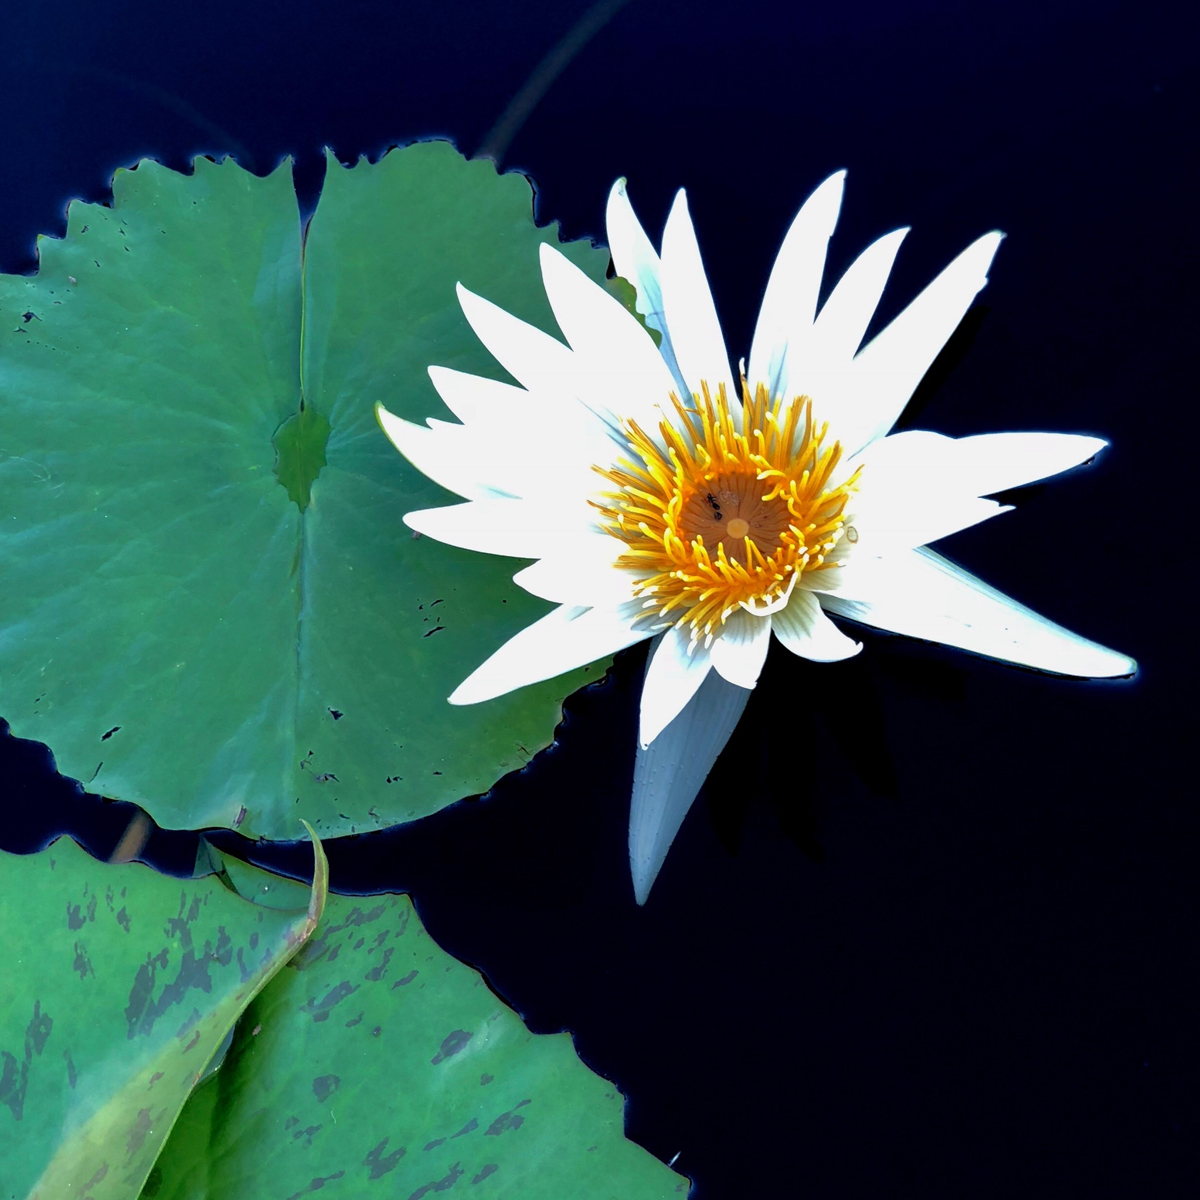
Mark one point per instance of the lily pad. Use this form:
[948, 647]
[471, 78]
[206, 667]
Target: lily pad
[208, 602]
[376, 1064]
[119, 986]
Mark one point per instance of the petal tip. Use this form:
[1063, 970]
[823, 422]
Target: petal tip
[1103, 663]
[464, 695]
[836, 183]
[1127, 668]
[679, 204]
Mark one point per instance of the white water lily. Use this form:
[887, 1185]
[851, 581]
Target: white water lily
[664, 498]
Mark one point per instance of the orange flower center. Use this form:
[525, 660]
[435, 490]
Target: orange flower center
[718, 513]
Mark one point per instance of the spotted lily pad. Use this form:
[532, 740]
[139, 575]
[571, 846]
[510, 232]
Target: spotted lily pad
[119, 986]
[376, 1064]
[208, 602]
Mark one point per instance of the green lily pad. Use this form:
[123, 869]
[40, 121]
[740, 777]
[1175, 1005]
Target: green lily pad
[208, 602]
[119, 986]
[376, 1064]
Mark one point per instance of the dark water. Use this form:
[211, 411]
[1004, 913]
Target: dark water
[932, 929]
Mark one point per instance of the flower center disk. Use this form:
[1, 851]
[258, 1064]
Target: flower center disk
[719, 512]
[731, 508]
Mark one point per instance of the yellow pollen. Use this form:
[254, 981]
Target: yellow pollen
[719, 513]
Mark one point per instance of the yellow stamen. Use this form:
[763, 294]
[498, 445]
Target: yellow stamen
[724, 513]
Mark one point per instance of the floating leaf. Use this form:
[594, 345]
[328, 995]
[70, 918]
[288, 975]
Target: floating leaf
[300, 454]
[377, 1064]
[119, 986]
[208, 602]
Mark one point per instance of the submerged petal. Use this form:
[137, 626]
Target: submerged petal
[669, 772]
[672, 677]
[789, 305]
[566, 638]
[691, 314]
[924, 595]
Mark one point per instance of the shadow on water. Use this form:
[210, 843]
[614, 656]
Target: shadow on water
[505, 828]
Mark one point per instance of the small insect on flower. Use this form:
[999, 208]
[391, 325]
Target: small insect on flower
[664, 498]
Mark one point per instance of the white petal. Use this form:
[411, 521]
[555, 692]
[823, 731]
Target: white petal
[474, 398]
[887, 520]
[789, 304]
[691, 314]
[533, 358]
[435, 457]
[546, 459]
[672, 678]
[975, 466]
[995, 462]
[740, 649]
[870, 399]
[546, 417]
[582, 573]
[669, 772]
[566, 638]
[636, 260]
[917, 487]
[806, 631]
[625, 373]
[515, 528]
[924, 595]
[842, 322]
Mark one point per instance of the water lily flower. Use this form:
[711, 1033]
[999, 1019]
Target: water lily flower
[662, 496]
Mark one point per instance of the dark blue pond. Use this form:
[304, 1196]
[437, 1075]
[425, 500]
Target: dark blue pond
[932, 927]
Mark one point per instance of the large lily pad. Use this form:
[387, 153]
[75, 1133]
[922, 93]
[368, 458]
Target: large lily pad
[376, 1064]
[208, 602]
[119, 987]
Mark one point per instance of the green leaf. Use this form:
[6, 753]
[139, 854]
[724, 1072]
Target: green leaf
[209, 604]
[627, 294]
[119, 986]
[376, 1064]
[300, 453]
